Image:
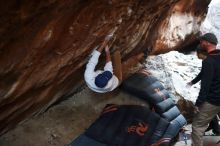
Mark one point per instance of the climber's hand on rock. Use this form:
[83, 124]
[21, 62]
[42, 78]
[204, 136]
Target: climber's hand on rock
[106, 48]
[103, 45]
[108, 37]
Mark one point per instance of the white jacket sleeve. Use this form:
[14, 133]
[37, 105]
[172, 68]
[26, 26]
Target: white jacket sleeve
[108, 67]
[90, 67]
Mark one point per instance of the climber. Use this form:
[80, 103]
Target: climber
[208, 102]
[104, 80]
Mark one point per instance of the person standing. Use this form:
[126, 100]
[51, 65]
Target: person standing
[214, 124]
[208, 101]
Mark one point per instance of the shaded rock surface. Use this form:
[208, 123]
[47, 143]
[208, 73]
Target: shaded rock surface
[45, 44]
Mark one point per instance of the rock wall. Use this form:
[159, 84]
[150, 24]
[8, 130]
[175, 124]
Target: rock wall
[44, 45]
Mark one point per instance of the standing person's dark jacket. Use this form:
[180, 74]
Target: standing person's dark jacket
[210, 79]
[197, 78]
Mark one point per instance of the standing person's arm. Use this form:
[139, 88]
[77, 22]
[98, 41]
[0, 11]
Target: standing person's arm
[197, 78]
[206, 80]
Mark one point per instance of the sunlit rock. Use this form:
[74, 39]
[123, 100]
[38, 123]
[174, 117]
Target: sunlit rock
[175, 70]
[212, 20]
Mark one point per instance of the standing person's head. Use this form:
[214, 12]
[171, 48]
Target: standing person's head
[208, 42]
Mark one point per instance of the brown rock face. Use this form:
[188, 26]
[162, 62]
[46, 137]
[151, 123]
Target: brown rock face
[44, 45]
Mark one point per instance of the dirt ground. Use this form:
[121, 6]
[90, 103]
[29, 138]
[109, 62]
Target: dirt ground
[65, 121]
